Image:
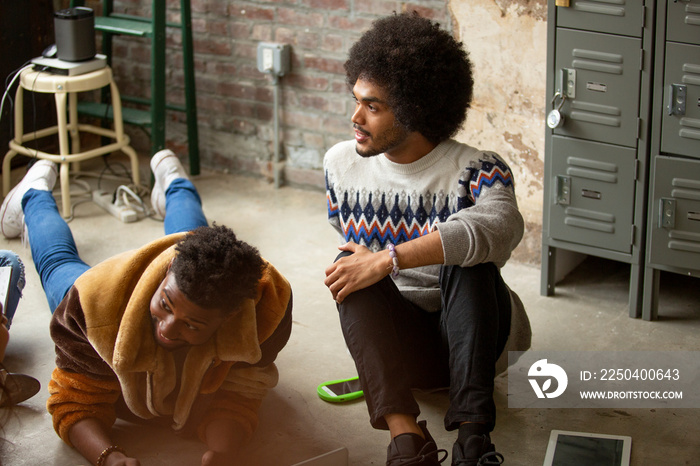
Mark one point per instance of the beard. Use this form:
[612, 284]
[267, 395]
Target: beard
[382, 142]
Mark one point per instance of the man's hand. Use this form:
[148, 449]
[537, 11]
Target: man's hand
[356, 272]
[224, 439]
[212, 458]
[119, 459]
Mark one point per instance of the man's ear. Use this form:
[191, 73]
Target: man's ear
[170, 264]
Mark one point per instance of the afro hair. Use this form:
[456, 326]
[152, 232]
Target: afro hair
[215, 270]
[425, 72]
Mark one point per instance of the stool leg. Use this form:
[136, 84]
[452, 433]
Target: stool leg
[73, 126]
[117, 111]
[19, 114]
[19, 129]
[65, 189]
[63, 149]
[73, 122]
[6, 167]
[62, 123]
[136, 177]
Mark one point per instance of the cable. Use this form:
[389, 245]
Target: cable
[17, 73]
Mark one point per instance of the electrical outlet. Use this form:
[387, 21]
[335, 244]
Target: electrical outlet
[267, 60]
[273, 58]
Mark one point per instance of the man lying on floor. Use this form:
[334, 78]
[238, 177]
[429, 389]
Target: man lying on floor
[183, 331]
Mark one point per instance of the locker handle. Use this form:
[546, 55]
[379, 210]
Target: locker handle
[589, 193]
[694, 216]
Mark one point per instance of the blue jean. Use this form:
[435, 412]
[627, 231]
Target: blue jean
[17, 282]
[54, 250]
[397, 346]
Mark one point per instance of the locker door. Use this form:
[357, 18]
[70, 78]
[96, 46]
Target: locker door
[680, 126]
[593, 198]
[683, 21]
[604, 74]
[675, 211]
[624, 17]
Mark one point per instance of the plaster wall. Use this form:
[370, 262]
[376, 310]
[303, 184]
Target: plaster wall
[506, 41]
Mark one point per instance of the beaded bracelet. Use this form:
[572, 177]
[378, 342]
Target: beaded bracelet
[106, 452]
[394, 260]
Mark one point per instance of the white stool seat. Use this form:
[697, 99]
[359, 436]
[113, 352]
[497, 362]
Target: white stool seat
[62, 87]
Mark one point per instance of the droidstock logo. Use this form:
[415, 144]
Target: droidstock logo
[544, 371]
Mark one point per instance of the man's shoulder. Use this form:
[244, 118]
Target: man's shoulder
[468, 157]
[340, 151]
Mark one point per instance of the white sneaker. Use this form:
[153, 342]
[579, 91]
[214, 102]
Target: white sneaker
[41, 176]
[166, 168]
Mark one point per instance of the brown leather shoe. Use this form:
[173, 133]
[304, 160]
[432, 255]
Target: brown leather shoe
[17, 388]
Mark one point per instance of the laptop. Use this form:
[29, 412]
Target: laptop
[337, 457]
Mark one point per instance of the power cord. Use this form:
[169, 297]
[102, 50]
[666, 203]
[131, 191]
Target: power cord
[15, 74]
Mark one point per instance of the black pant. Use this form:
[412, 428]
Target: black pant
[398, 346]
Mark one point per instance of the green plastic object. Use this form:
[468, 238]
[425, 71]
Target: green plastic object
[338, 391]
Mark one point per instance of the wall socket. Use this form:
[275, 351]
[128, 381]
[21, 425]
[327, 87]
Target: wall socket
[273, 58]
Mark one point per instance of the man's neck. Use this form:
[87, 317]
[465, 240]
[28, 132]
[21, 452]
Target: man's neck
[413, 148]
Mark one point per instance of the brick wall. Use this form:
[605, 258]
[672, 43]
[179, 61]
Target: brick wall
[235, 101]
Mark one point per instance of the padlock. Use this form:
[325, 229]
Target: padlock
[554, 118]
[564, 3]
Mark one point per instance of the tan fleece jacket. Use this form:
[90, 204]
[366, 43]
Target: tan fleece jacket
[105, 348]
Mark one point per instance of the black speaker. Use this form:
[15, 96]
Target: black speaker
[75, 33]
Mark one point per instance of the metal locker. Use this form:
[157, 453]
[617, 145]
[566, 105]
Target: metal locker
[680, 126]
[593, 186]
[675, 213]
[684, 21]
[598, 78]
[623, 17]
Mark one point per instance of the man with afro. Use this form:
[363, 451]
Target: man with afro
[426, 224]
[183, 331]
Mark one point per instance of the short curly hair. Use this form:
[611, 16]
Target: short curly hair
[426, 73]
[215, 270]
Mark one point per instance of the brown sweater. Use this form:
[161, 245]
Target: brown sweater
[105, 348]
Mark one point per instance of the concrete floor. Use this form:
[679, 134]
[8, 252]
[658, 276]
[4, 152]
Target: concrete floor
[290, 229]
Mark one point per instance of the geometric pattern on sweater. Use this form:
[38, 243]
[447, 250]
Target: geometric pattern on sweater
[377, 218]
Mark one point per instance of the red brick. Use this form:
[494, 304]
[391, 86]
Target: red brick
[308, 40]
[304, 120]
[251, 12]
[245, 50]
[261, 32]
[377, 7]
[327, 4]
[285, 36]
[307, 82]
[313, 140]
[345, 23]
[240, 30]
[217, 27]
[332, 43]
[212, 46]
[329, 65]
[299, 19]
[242, 109]
[337, 125]
[314, 102]
[426, 12]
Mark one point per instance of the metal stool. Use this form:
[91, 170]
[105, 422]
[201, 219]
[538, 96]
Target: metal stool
[66, 88]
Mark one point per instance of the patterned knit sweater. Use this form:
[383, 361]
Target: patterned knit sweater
[466, 194]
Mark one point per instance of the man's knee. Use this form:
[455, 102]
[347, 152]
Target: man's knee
[343, 254]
